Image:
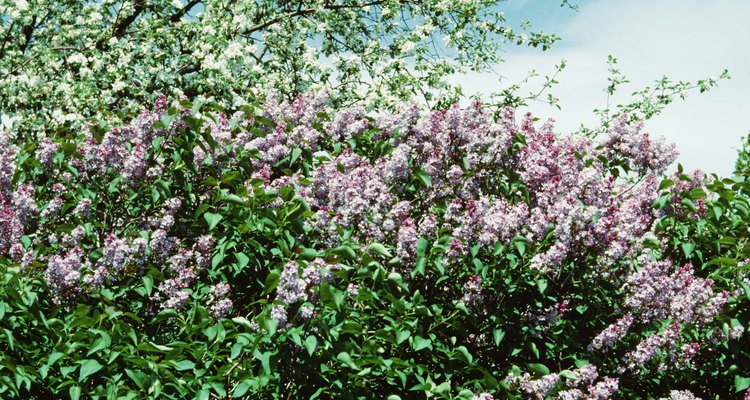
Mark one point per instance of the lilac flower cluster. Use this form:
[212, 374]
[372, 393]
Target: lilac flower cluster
[15, 206]
[219, 304]
[293, 128]
[351, 192]
[583, 385]
[472, 291]
[697, 180]
[533, 389]
[611, 334]
[643, 153]
[647, 349]
[64, 273]
[124, 150]
[295, 287]
[655, 293]
[680, 395]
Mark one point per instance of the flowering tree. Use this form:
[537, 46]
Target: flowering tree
[64, 62]
[291, 250]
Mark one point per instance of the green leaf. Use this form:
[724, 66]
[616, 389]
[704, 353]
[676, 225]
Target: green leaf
[498, 335]
[465, 355]
[422, 343]
[566, 373]
[665, 184]
[540, 369]
[425, 178]
[741, 383]
[422, 244]
[345, 251]
[88, 367]
[520, 245]
[242, 259]
[310, 344]
[346, 359]
[396, 277]
[379, 249]
[542, 285]
[184, 365]
[401, 336]
[241, 389]
[687, 248]
[140, 378]
[265, 360]
[212, 219]
[101, 343]
[242, 321]
[74, 392]
[203, 394]
[295, 155]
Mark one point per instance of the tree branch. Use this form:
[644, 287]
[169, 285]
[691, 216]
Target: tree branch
[306, 11]
[122, 26]
[179, 14]
[6, 39]
[28, 60]
[28, 32]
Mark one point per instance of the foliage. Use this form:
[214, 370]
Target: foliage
[64, 62]
[446, 254]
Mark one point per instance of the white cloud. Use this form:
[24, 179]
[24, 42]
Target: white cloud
[683, 39]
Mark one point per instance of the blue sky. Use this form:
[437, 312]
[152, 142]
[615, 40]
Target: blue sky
[683, 39]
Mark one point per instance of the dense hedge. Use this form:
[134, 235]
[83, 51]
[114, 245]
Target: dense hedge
[289, 251]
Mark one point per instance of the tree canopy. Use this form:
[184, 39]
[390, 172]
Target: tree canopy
[64, 61]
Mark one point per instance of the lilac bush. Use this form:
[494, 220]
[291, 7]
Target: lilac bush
[293, 250]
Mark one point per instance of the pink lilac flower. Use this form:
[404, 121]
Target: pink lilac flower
[291, 286]
[604, 389]
[64, 272]
[83, 208]
[539, 388]
[45, 152]
[646, 350]
[278, 312]
[570, 394]
[656, 293]
[681, 395]
[24, 203]
[584, 376]
[162, 244]
[221, 289]
[221, 308]
[645, 154]
[610, 335]
[472, 291]
[736, 332]
[53, 208]
[7, 161]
